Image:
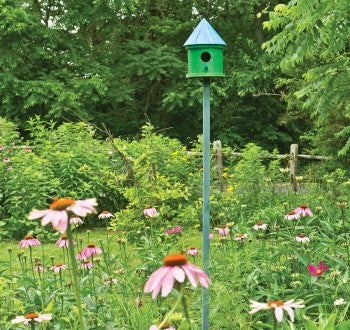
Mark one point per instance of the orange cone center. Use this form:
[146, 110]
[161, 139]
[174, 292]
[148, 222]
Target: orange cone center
[61, 204]
[274, 304]
[31, 316]
[175, 260]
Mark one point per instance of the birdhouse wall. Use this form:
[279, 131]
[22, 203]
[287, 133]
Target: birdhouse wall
[205, 61]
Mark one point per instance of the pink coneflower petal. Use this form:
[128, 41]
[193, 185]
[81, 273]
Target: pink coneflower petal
[36, 214]
[155, 279]
[179, 274]
[190, 275]
[167, 283]
[83, 207]
[200, 274]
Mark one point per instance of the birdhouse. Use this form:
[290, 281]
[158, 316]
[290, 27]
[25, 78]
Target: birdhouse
[205, 52]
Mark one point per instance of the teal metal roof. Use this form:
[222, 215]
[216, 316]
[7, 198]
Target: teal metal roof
[204, 34]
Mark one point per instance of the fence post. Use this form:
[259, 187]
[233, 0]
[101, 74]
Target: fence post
[218, 164]
[293, 166]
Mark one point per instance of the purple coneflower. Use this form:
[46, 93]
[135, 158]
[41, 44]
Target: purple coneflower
[278, 306]
[57, 214]
[175, 267]
[224, 230]
[86, 264]
[192, 251]
[303, 210]
[63, 241]
[29, 240]
[6, 160]
[292, 215]
[30, 318]
[79, 256]
[90, 251]
[150, 211]
[58, 267]
[175, 230]
[38, 267]
[165, 326]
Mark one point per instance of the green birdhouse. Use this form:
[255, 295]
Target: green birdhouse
[205, 52]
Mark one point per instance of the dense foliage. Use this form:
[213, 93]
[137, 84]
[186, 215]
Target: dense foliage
[125, 175]
[266, 265]
[313, 39]
[123, 64]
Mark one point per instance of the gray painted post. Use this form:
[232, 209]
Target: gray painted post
[218, 164]
[293, 166]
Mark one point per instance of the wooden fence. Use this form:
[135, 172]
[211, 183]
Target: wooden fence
[292, 157]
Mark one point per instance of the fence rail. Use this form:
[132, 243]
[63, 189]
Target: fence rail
[293, 157]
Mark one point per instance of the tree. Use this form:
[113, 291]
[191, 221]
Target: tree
[122, 63]
[313, 39]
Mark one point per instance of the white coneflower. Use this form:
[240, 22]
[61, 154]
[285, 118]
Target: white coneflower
[105, 215]
[240, 237]
[335, 273]
[278, 306]
[339, 302]
[302, 238]
[30, 318]
[260, 226]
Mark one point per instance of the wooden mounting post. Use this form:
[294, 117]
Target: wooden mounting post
[293, 166]
[218, 164]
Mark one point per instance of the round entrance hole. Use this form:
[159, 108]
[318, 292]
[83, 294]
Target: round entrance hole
[205, 57]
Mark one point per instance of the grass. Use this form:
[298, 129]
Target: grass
[265, 266]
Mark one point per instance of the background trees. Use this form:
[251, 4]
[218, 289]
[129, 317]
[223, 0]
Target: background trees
[313, 39]
[123, 63]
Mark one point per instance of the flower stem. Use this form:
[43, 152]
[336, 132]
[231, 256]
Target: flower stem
[166, 318]
[184, 305]
[274, 321]
[31, 262]
[346, 234]
[76, 280]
